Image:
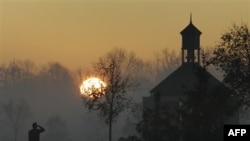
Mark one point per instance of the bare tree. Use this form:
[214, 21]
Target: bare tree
[52, 83]
[16, 112]
[16, 79]
[17, 70]
[118, 69]
[57, 79]
[165, 62]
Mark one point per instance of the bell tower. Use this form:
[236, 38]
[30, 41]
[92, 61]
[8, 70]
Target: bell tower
[190, 44]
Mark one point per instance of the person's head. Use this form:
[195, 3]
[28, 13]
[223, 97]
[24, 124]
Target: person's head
[34, 125]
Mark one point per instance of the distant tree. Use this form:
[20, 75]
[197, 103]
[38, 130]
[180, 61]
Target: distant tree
[56, 82]
[166, 61]
[56, 129]
[232, 56]
[50, 84]
[16, 79]
[119, 71]
[204, 109]
[16, 112]
[56, 75]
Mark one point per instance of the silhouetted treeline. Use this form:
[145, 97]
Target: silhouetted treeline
[39, 93]
[30, 93]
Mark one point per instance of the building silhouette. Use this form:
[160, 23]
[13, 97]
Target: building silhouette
[172, 87]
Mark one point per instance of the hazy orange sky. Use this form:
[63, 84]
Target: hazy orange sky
[76, 32]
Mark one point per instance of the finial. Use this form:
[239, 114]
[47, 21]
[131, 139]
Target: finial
[190, 17]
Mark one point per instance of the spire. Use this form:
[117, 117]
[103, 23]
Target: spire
[190, 17]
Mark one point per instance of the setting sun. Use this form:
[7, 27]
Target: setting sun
[92, 87]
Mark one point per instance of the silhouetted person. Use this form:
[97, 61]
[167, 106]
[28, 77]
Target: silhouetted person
[34, 134]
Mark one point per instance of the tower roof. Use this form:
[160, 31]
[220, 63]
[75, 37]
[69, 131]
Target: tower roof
[190, 30]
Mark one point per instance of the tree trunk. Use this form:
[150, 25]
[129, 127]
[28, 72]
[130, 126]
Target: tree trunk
[110, 129]
[110, 122]
[15, 134]
[111, 116]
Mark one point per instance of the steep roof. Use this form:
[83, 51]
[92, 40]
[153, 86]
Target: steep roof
[184, 77]
[190, 30]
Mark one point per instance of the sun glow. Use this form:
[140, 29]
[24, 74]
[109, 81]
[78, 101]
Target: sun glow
[93, 87]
